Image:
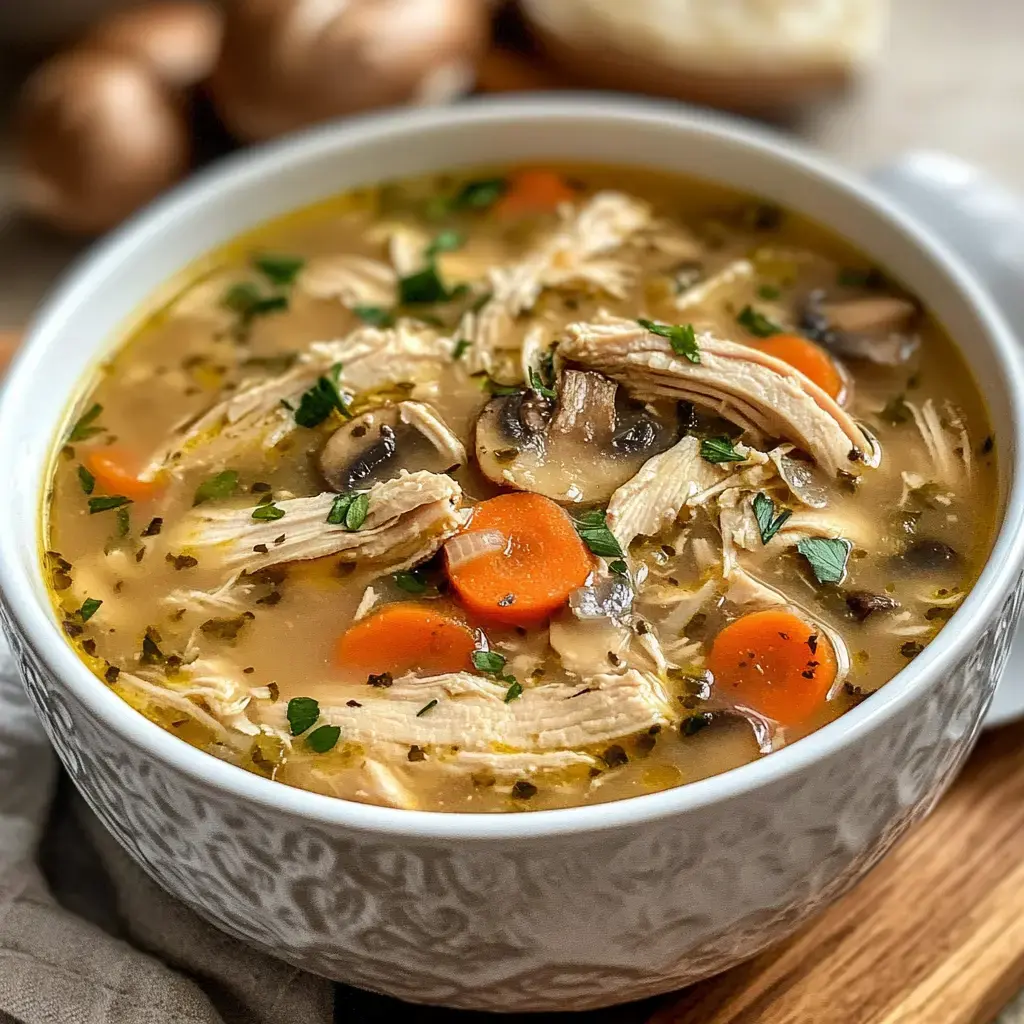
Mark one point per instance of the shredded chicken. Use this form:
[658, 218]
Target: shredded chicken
[256, 415]
[408, 519]
[471, 714]
[589, 647]
[435, 430]
[352, 280]
[757, 391]
[718, 287]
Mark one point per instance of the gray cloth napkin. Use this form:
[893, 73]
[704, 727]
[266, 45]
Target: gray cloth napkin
[87, 938]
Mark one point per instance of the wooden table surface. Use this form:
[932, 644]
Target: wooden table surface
[949, 946]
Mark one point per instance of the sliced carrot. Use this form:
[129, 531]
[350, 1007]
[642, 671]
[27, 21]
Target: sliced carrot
[532, 577]
[810, 359]
[774, 663]
[110, 468]
[411, 636]
[533, 191]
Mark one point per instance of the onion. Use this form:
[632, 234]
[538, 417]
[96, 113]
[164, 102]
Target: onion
[468, 546]
[802, 478]
[610, 599]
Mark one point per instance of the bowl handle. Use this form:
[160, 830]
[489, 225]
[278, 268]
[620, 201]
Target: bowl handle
[983, 221]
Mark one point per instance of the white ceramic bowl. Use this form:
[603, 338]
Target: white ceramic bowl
[563, 909]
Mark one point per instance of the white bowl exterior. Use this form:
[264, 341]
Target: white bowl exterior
[554, 910]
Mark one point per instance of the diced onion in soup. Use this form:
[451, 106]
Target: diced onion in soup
[468, 546]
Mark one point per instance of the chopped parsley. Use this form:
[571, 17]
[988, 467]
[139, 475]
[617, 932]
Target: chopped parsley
[429, 706]
[461, 347]
[349, 510]
[593, 529]
[268, 513]
[719, 449]
[323, 398]
[302, 714]
[107, 502]
[490, 662]
[222, 485]
[757, 323]
[151, 653]
[279, 268]
[472, 196]
[90, 606]
[85, 427]
[423, 288]
[827, 557]
[769, 292]
[896, 411]
[124, 523]
[226, 629]
[538, 385]
[680, 336]
[247, 302]
[767, 522]
[375, 316]
[514, 692]
[323, 738]
[411, 581]
[870, 278]
[86, 479]
[446, 241]
[618, 567]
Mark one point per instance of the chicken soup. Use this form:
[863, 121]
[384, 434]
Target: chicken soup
[518, 490]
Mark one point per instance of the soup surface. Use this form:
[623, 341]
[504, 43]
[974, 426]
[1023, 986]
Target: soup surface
[517, 490]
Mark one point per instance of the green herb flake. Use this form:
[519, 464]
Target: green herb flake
[680, 336]
[490, 662]
[593, 529]
[827, 557]
[870, 279]
[107, 502]
[446, 241]
[375, 316]
[514, 692]
[719, 449]
[279, 268]
[223, 485]
[86, 479]
[226, 629]
[618, 567]
[769, 292]
[429, 706]
[85, 427]
[302, 714]
[323, 738]
[538, 385]
[151, 653]
[423, 287]
[497, 388]
[323, 398]
[349, 510]
[767, 522]
[412, 582]
[478, 195]
[90, 606]
[248, 302]
[124, 522]
[268, 513]
[462, 346]
[757, 323]
[896, 411]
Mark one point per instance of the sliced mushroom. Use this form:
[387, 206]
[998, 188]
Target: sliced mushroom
[378, 445]
[877, 329]
[577, 449]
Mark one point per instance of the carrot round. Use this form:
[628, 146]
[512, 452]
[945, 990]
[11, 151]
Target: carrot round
[411, 636]
[774, 663]
[532, 577]
[110, 468]
[810, 359]
[533, 191]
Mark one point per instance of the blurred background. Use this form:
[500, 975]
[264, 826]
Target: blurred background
[106, 103]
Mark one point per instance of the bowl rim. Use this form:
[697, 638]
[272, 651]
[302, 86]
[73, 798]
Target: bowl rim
[38, 627]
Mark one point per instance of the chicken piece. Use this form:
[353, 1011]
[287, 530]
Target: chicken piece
[471, 714]
[350, 279]
[256, 414]
[591, 646]
[408, 519]
[760, 393]
[652, 500]
[945, 440]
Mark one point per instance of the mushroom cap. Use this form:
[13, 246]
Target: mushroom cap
[381, 442]
[178, 40]
[578, 451]
[97, 136]
[290, 63]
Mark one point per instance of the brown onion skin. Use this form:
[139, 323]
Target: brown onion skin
[285, 64]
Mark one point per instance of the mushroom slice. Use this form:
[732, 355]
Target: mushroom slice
[470, 713]
[755, 390]
[877, 329]
[379, 444]
[578, 449]
[407, 520]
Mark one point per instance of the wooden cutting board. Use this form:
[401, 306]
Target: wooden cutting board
[933, 935]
